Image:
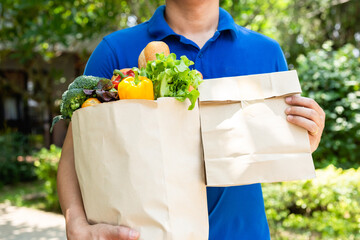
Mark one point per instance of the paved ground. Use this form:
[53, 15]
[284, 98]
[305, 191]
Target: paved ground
[30, 224]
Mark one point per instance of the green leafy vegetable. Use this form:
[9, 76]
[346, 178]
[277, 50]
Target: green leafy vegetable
[81, 89]
[71, 100]
[104, 91]
[172, 78]
[84, 82]
[55, 120]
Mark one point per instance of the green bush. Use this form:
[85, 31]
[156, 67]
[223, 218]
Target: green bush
[46, 169]
[14, 145]
[332, 78]
[327, 207]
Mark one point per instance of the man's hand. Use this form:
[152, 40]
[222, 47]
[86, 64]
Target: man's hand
[305, 112]
[101, 232]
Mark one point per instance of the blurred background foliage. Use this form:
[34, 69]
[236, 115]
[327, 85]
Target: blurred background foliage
[48, 26]
[332, 78]
[320, 39]
[327, 207]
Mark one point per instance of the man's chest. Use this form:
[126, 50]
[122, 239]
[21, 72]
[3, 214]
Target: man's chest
[225, 59]
[216, 59]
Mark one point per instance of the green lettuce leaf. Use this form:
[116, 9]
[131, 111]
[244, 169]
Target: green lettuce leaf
[172, 77]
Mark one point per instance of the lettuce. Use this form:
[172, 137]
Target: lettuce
[172, 78]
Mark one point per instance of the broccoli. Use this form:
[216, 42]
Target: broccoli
[84, 82]
[74, 97]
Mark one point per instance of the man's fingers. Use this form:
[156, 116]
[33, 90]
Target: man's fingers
[126, 233]
[303, 102]
[309, 125]
[110, 232]
[307, 108]
[308, 113]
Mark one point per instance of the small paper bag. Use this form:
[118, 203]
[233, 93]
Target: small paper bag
[246, 137]
[139, 164]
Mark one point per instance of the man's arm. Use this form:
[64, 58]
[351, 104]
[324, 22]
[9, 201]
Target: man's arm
[71, 203]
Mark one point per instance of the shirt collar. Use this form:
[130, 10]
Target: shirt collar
[160, 28]
[226, 22]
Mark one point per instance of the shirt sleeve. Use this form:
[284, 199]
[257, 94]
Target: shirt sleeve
[102, 61]
[281, 64]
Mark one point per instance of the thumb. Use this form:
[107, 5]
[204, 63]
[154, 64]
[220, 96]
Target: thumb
[126, 233]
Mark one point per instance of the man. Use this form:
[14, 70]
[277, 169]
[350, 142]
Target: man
[219, 48]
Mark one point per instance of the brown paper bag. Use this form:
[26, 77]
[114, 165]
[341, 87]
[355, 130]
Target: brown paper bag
[139, 164]
[246, 137]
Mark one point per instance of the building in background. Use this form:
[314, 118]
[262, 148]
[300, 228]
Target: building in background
[30, 95]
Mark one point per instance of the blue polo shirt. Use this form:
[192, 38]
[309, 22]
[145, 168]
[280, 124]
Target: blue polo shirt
[234, 212]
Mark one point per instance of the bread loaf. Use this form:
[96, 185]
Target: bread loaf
[150, 51]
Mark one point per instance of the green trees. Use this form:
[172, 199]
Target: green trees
[49, 27]
[300, 26]
[332, 78]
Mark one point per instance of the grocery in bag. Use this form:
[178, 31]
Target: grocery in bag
[139, 164]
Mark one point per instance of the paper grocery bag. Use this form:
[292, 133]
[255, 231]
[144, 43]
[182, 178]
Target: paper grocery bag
[139, 164]
[246, 137]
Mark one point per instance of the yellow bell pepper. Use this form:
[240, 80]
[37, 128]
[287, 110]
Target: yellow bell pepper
[137, 87]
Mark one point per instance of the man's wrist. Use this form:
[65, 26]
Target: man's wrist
[76, 224]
